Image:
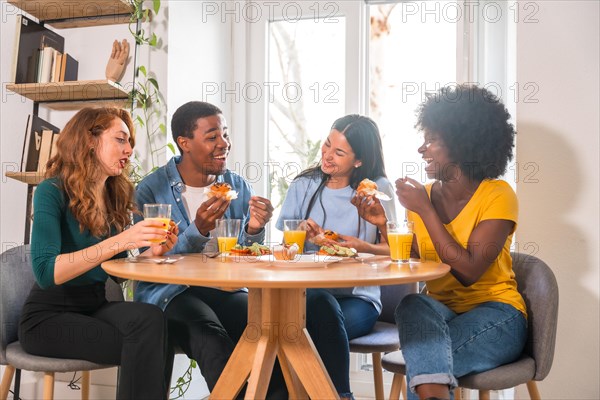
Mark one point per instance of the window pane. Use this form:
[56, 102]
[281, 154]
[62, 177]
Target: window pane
[410, 53]
[306, 77]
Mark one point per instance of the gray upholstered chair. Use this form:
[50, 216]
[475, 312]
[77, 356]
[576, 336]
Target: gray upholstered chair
[384, 336]
[538, 286]
[16, 279]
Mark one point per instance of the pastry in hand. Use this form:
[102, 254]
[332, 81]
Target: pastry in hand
[222, 189]
[325, 237]
[367, 187]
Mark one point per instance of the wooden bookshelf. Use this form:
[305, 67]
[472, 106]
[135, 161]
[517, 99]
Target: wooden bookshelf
[73, 95]
[63, 14]
[30, 178]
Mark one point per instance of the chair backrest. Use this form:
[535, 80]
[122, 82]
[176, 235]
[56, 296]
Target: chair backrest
[16, 280]
[537, 284]
[114, 291]
[391, 295]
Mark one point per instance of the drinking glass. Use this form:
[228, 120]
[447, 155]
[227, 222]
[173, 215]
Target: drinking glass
[228, 231]
[400, 237]
[294, 231]
[160, 213]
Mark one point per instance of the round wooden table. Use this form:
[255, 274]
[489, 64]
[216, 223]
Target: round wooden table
[276, 311]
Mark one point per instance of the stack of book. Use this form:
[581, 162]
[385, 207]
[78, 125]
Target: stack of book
[40, 56]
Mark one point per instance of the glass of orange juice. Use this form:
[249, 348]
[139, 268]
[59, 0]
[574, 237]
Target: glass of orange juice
[294, 231]
[160, 213]
[228, 231]
[400, 237]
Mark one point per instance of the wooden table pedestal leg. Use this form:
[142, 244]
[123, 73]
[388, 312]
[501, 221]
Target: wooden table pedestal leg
[276, 328]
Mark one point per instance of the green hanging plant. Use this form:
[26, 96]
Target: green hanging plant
[148, 109]
[149, 115]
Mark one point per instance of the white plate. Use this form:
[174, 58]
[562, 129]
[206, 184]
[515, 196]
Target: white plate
[301, 261]
[364, 256]
[240, 257]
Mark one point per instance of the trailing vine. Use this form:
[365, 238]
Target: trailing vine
[148, 109]
[149, 115]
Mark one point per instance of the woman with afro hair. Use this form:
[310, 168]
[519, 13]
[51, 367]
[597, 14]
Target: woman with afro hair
[473, 319]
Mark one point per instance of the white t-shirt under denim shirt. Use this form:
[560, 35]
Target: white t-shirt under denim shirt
[333, 210]
[192, 198]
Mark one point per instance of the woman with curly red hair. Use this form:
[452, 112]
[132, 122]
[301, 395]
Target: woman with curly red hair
[82, 217]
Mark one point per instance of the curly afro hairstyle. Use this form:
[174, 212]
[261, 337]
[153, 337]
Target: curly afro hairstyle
[473, 125]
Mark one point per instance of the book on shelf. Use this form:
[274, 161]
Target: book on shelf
[46, 60]
[69, 68]
[45, 149]
[55, 71]
[27, 137]
[32, 39]
[33, 143]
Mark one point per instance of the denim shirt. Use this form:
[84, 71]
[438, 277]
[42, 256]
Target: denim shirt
[165, 186]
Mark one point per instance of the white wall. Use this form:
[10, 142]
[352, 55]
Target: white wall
[559, 217]
[200, 57]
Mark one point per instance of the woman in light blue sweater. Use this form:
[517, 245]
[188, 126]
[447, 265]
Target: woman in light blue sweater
[322, 195]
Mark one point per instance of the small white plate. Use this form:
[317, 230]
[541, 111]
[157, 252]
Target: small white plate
[240, 257]
[364, 256]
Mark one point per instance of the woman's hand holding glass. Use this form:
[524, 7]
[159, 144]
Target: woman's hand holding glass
[167, 245]
[145, 233]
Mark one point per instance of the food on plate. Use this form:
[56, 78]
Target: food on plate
[256, 249]
[337, 250]
[367, 187]
[285, 251]
[222, 189]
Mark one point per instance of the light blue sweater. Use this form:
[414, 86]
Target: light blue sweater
[333, 210]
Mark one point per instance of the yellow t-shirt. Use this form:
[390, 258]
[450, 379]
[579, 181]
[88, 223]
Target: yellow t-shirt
[493, 199]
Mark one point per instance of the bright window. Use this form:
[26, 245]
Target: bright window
[310, 95]
[411, 52]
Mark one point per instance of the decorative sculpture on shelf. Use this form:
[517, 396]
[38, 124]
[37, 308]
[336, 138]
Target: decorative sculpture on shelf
[115, 68]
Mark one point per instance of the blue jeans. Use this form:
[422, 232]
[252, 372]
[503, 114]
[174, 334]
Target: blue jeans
[440, 345]
[331, 323]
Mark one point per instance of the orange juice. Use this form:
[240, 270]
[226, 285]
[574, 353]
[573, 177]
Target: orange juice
[164, 221]
[226, 243]
[400, 244]
[297, 237]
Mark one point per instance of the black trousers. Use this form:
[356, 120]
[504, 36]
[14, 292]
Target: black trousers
[206, 324]
[79, 323]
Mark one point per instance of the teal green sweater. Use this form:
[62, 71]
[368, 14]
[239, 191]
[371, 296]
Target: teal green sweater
[56, 231]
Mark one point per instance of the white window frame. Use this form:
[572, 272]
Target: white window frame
[250, 49]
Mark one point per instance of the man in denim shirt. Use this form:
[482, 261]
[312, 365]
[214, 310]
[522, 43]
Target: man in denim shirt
[204, 322]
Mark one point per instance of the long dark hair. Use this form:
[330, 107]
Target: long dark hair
[363, 136]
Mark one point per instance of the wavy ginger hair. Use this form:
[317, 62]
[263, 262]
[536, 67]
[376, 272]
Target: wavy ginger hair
[77, 168]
